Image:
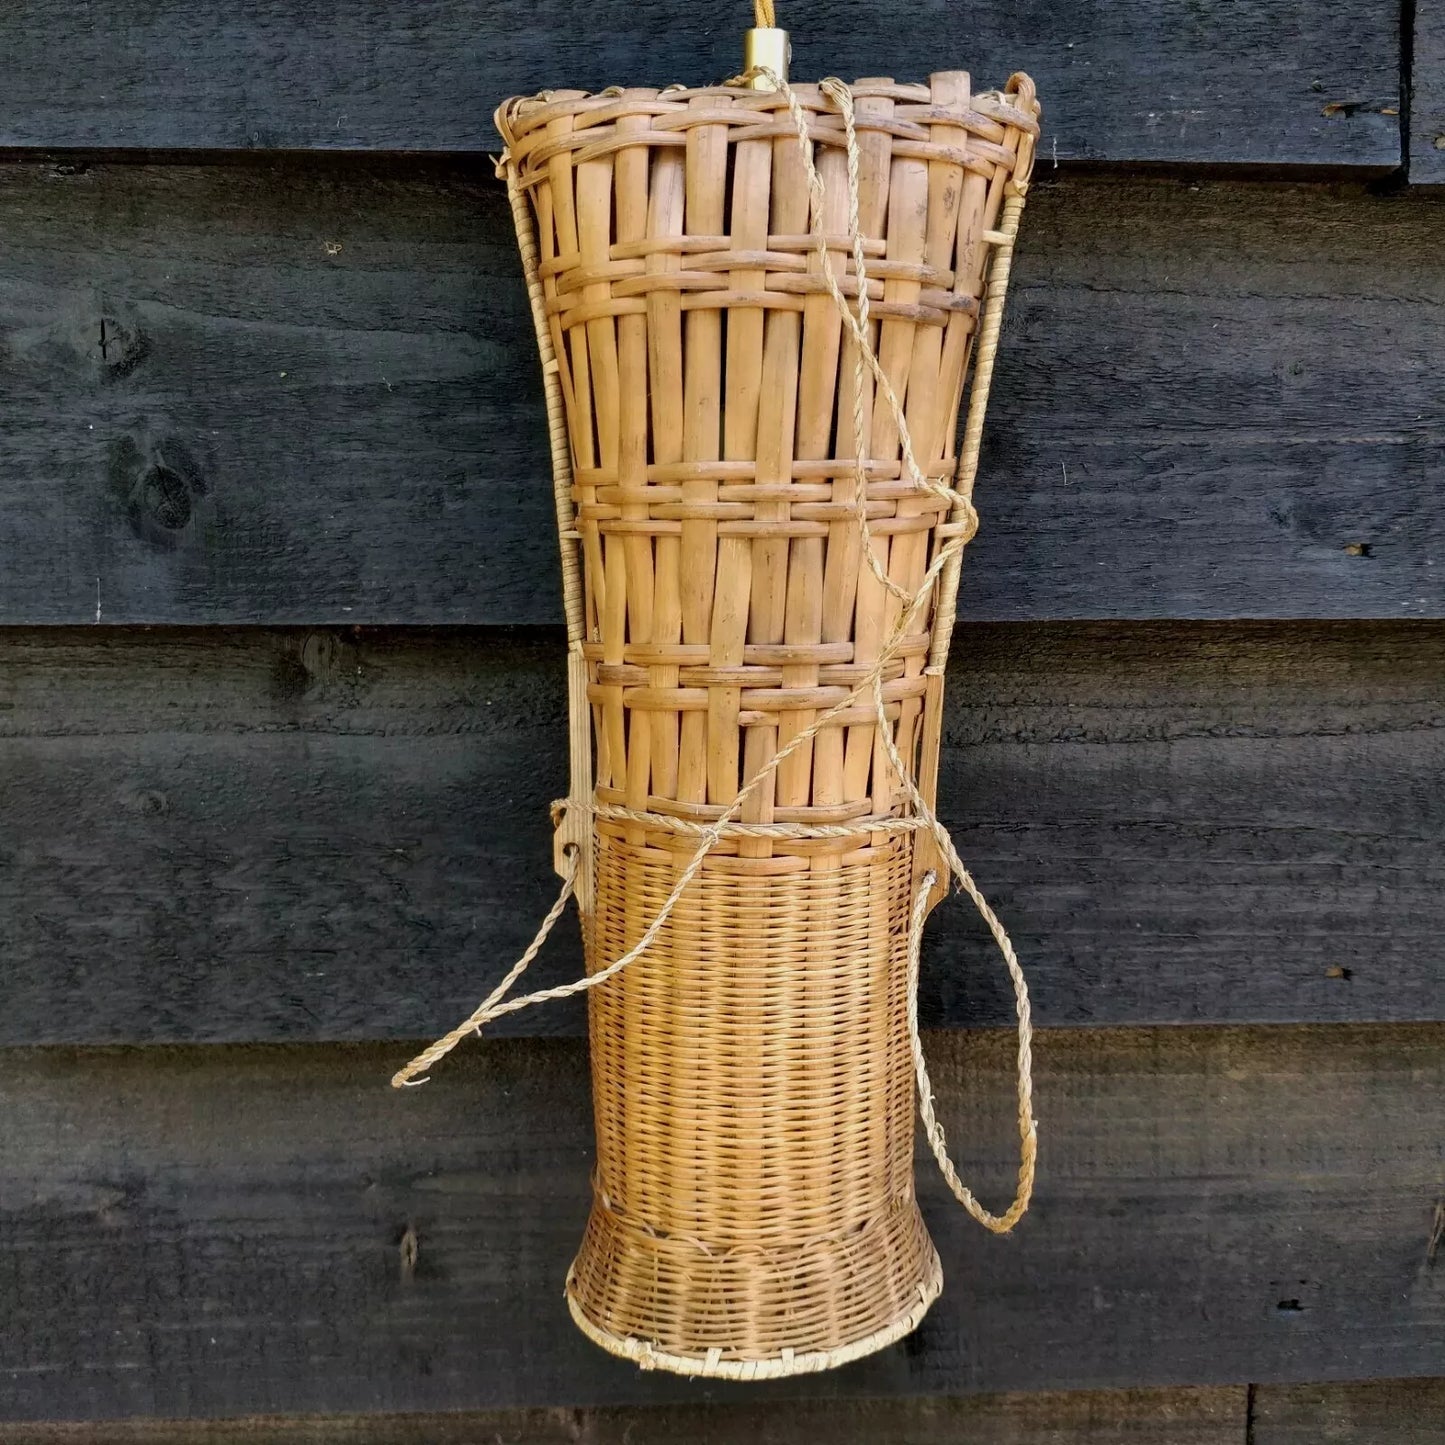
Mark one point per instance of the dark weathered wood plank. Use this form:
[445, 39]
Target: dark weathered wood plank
[215, 1231]
[1200, 1416]
[1427, 94]
[307, 393]
[1264, 82]
[241, 394]
[1377, 1412]
[1373, 1412]
[317, 835]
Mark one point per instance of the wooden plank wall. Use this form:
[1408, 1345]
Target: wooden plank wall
[1425, 135]
[1394, 1412]
[1215, 400]
[1309, 82]
[1226, 823]
[242, 1229]
[278, 610]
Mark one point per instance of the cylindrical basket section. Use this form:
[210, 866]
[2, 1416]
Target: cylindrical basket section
[754, 1097]
[754, 1208]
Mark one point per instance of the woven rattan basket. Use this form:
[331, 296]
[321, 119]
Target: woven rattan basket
[759, 611]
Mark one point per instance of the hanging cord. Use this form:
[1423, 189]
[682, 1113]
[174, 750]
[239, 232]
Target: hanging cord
[932, 1129]
[944, 564]
[406, 1078]
[764, 16]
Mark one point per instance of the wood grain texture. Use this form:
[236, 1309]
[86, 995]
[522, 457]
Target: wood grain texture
[1278, 82]
[225, 1230]
[306, 392]
[242, 394]
[1375, 1412]
[297, 835]
[1427, 94]
[1199, 1416]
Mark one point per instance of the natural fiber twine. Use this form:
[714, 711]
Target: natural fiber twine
[753, 951]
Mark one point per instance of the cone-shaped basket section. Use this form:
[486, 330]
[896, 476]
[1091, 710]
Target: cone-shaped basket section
[754, 1208]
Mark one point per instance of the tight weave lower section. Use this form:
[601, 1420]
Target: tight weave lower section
[754, 1196]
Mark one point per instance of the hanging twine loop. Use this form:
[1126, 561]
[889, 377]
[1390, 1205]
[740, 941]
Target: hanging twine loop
[942, 574]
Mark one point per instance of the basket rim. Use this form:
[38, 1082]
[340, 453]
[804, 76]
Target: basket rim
[1009, 105]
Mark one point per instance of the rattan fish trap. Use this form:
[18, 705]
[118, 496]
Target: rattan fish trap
[759, 308]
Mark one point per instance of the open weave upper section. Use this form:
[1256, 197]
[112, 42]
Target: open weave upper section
[715, 403]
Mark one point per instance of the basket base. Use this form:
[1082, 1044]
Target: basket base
[880, 1296]
[647, 1356]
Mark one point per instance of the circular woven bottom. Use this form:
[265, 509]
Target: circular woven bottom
[646, 1355]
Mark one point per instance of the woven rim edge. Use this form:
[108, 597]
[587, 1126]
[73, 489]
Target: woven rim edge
[646, 1355]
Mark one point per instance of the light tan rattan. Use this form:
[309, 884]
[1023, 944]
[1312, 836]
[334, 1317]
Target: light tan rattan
[759, 622]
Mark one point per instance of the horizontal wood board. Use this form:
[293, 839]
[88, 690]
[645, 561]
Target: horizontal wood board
[1262, 82]
[1380, 1412]
[1427, 94]
[305, 392]
[309, 834]
[220, 1231]
[1201, 1416]
[1370, 1412]
[1373, 1412]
